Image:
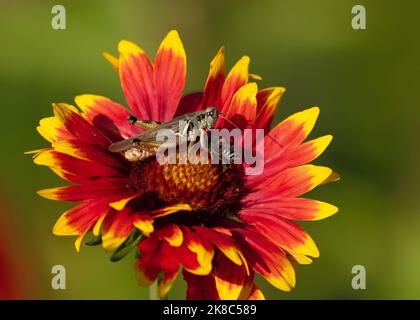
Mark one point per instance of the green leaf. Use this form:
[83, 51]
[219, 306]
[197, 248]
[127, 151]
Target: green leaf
[127, 246]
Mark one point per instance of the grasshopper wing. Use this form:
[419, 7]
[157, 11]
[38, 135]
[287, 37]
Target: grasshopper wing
[150, 135]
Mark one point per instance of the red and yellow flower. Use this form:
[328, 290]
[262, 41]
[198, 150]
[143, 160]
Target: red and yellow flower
[213, 222]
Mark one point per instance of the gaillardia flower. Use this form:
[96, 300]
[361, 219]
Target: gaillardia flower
[212, 221]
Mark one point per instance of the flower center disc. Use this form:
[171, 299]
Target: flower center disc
[212, 190]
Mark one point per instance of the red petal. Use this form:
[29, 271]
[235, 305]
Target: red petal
[170, 261]
[80, 219]
[116, 227]
[84, 151]
[187, 258]
[200, 287]
[172, 234]
[289, 132]
[189, 103]
[149, 263]
[136, 74]
[76, 170]
[108, 116]
[293, 156]
[291, 208]
[169, 75]
[292, 182]
[109, 189]
[202, 249]
[243, 107]
[78, 126]
[229, 278]
[267, 103]
[169, 265]
[237, 77]
[266, 259]
[52, 129]
[215, 80]
[282, 233]
[224, 243]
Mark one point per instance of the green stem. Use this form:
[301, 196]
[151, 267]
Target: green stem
[154, 291]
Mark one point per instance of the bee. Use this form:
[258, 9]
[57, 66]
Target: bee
[145, 145]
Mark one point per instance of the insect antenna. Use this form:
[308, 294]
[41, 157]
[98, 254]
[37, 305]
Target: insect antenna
[268, 134]
[227, 119]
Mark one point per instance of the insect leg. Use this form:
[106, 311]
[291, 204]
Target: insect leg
[184, 132]
[227, 154]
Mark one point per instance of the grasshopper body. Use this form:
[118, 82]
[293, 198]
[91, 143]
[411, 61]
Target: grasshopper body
[145, 145]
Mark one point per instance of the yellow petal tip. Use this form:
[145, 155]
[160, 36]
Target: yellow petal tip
[325, 210]
[127, 48]
[63, 228]
[50, 194]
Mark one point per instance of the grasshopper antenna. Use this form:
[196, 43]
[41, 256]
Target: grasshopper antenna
[268, 134]
[221, 115]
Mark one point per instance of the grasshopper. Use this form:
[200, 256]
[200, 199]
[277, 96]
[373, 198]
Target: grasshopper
[145, 145]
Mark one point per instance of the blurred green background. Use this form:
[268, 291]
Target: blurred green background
[364, 81]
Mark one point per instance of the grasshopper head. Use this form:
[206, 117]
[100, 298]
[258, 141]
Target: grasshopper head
[211, 116]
